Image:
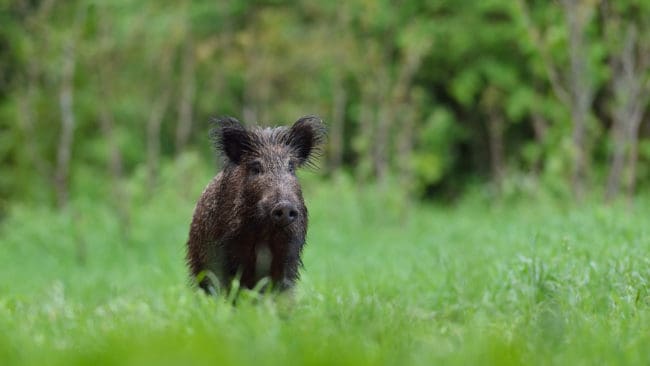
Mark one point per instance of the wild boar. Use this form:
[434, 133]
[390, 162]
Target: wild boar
[250, 222]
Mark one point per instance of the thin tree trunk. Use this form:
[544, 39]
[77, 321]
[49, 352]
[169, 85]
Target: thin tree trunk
[380, 144]
[363, 143]
[495, 128]
[405, 147]
[618, 158]
[27, 122]
[633, 139]
[105, 77]
[635, 122]
[153, 136]
[66, 106]
[631, 92]
[626, 90]
[577, 95]
[107, 125]
[156, 118]
[335, 135]
[115, 165]
[577, 15]
[28, 118]
[491, 102]
[188, 87]
[580, 164]
[64, 150]
[66, 137]
[397, 93]
[633, 158]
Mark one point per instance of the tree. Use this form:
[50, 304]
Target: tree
[576, 88]
[630, 61]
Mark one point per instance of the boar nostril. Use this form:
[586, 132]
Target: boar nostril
[284, 213]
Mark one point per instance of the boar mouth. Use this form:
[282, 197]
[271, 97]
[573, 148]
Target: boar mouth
[286, 227]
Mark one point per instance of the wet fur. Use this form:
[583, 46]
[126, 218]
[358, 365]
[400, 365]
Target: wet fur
[231, 219]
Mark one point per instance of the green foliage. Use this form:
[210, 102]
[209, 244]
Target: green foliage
[390, 74]
[432, 164]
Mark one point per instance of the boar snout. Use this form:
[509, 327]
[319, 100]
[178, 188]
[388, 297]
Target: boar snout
[284, 213]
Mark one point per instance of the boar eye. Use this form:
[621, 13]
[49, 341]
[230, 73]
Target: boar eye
[292, 167]
[255, 168]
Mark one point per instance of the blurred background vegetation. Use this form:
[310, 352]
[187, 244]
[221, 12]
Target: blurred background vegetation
[525, 121]
[428, 98]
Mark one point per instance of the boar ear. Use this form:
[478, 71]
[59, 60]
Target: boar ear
[230, 137]
[305, 137]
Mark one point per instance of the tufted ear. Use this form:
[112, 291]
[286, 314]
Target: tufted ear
[305, 137]
[230, 137]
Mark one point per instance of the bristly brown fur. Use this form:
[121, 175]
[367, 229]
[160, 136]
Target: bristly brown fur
[234, 218]
[307, 131]
[306, 136]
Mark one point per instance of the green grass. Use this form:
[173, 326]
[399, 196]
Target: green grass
[510, 283]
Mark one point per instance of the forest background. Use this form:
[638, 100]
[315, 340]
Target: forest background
[430, 99]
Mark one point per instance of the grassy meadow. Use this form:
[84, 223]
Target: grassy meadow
[477, 282]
